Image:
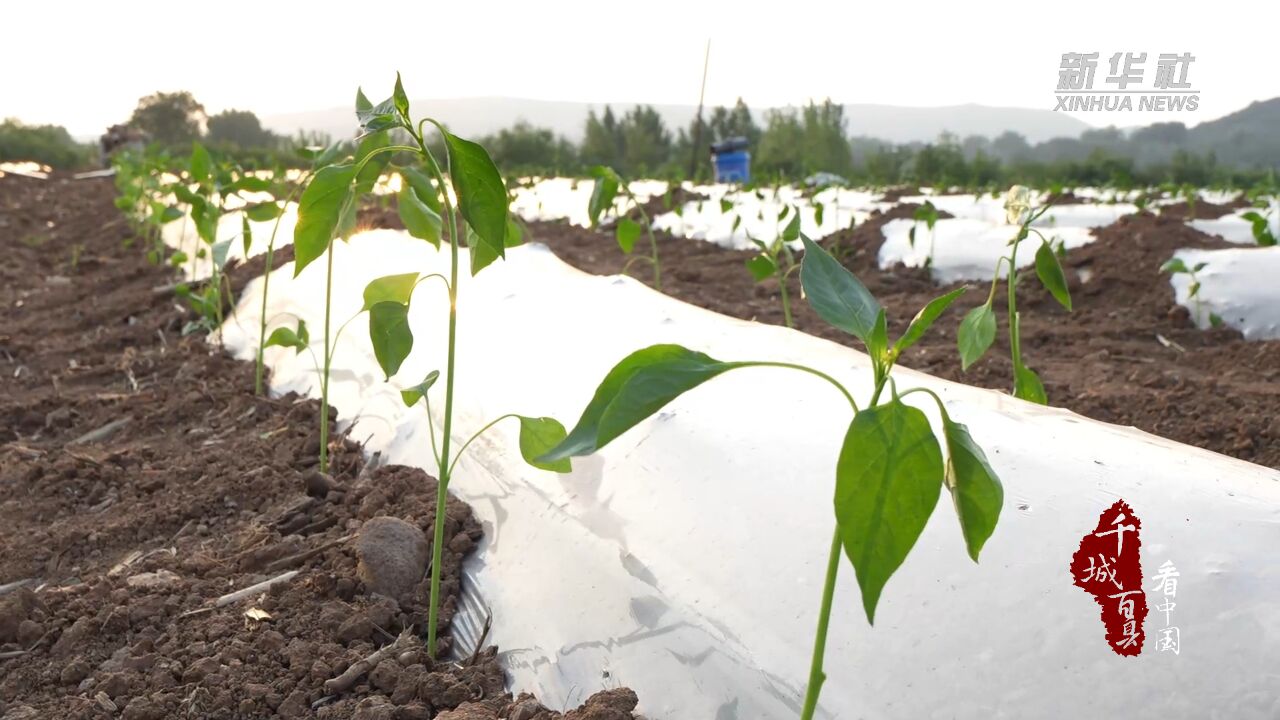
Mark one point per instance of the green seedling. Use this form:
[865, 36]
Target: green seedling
[263, 212]
[1176, 266]
[978, 329]
[608, 184]
[327, 211]
[890, 470]
[1261, 226]
[928, 214]
[1190, 195]
[776, 258]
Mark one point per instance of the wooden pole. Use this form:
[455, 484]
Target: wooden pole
[697, 124]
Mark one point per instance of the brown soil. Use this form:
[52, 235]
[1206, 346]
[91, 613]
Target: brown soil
[1204, 210]
[1105, 360]
[190, 487]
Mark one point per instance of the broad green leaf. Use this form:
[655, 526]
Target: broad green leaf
[602, 193]
[372, 169]
[205, 216]
[250, 183]
[426, 189]
[977, 332]
[924, 319]
[419, 219]
[482, 196]
[515, 236]
[1174, 265]
[888, 480]
[220, 250]
[1027, 386]
[482, 254]
[263, 212]
[792, 230]
[725, 206]
[638, 386]
[419, 391]
[390, 288]
[319, 210]
[400, 99]
[975, 489]
[201, 164]
[537, 437]
[169, 214]
[761, 267]
[835, 294]
[1051, 276]
[628, 232]
[375, 118]
[390, 335]
[328, 155]
[362, 102]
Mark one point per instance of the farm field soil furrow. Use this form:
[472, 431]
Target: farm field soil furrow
[1127, 354]
[141, 480]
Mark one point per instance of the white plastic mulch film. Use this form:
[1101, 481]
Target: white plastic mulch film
[686, 559]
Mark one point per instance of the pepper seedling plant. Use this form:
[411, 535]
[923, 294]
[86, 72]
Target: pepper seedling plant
[777, 260]
[890, 470]
[608, 184]
[1260, 225]
[928, 214]
[1176, 266]
[481, 220]
[978, 328]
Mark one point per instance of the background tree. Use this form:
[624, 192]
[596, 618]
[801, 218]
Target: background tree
[602, 140]
[525, 149]
[169, 118]
[646, 142]
[241, 129]
[46, 144]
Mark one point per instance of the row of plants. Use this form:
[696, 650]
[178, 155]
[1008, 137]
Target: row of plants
[892, 465]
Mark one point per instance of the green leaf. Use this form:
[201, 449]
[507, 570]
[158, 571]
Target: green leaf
[419, 391]
[375, 118]
[835, 294]
[482, 255]
[725, 206]
[201, 163]
[977, 332]
[220, 250]
[250, 183]
[419, 219]
[878, 340]
[1175, 265]
[319, 210]
[637, 387]
[246, 235]
[975, 489]
[537, 437]
[792, 231]
[924, 319]
[263, 212]
[819, 210]
[515, 236]
[761, 267]
[888, 480]
[482, 196]
[602, 193]
[169, 214]
[424, 187]
[400, 99]
[390, 335]
[286, 337]
[372, 169]
[1027, 386]
[628, 232]
[1049, 270]
[390, 288]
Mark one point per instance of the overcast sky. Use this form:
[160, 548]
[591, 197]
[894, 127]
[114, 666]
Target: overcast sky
[84, 64]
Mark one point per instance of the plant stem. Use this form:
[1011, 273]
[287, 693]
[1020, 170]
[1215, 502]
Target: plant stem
[786, 302]
[1015, 349]
[816, 674]
[328, 357]
[259, 372]
[444, 466]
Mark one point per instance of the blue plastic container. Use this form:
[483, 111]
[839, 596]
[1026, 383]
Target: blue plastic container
[732, 167]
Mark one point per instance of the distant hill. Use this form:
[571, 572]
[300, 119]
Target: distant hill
[480, 116]
[1246, 138]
